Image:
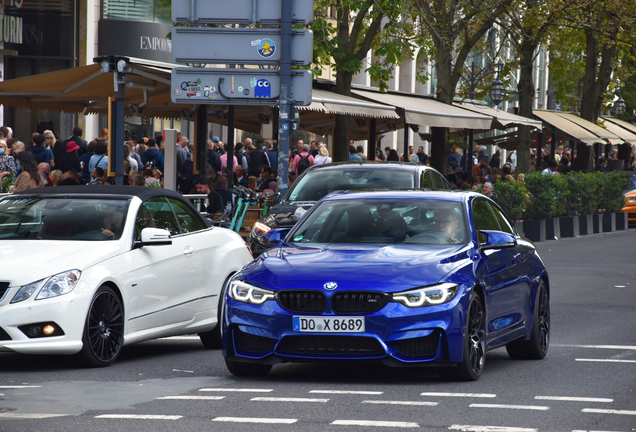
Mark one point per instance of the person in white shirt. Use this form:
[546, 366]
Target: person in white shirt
[323, 156]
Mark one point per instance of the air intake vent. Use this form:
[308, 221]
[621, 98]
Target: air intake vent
[358, 302]
[302, 301]
[4, 287]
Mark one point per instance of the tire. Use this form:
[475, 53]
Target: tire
[474, 358]
[247, 369]
[103, 335]
[537, 346]
[213, 339]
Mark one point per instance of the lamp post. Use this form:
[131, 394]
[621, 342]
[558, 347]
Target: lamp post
[619, 107]
[497, 92]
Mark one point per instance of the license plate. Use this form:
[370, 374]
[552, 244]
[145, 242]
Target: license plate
[328, 325]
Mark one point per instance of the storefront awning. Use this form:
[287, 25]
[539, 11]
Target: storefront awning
[604, 134]
[625, 130]
[424, 111]
[500, 119]
[578, 133]
[334, 103]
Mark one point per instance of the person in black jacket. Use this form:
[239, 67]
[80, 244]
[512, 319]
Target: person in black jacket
[69, 161]
[214, 160]
[258, 159]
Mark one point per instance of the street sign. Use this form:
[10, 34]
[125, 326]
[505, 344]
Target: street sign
[239, 11]
[237, 86]
[238, 46]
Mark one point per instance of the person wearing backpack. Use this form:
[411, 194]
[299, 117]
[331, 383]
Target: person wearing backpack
[303, 160]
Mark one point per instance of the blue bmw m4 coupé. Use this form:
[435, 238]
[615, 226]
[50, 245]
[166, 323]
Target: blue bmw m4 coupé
[407, 278]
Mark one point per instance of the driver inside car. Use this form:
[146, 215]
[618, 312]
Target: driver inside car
[446, 222]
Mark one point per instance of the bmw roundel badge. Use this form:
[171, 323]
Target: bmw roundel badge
[331, 285]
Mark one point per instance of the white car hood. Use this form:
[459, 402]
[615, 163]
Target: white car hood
[26, 261]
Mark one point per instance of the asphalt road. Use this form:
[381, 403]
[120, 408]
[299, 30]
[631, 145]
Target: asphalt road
[586, 383]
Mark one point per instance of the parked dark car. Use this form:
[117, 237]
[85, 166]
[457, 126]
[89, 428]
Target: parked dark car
[319, 180]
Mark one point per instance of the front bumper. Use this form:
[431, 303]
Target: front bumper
[67, 311]
[395, 335]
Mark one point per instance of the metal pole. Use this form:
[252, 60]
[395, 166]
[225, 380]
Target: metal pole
[230, 146]
[119, 131]
[200, 153]
[285, 96]
[406, 142]
[372, 133]
[469, 153]
[553, 146]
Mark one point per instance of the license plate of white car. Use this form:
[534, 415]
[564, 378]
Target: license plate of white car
[328, 325]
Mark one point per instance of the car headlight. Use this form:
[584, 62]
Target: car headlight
[59, 284]
[26, 291]
[427, 296]
[247, 293]
[631, 199]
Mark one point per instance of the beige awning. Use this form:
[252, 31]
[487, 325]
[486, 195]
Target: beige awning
[623, 129]
[604, 134]
[423, 111]
[334, 103]
[568, 127]
[500, 119]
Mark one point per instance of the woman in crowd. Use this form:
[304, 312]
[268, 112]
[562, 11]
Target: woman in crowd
[7, 162]
[30, 176]
[323, 156]
[393, 156]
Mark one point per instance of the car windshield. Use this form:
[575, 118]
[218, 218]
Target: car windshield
[317, 183]
[414, 221]
[65, 218]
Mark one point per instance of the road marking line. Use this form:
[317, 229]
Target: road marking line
[282, 399]
[239, 390]
[573, 399]
[520, 407]
[19, 387]
[607, 411]
[590, 431]
[139, 416]
[191, 398]
[179, 370]
[351, 392]
[375, 423]
[13, 415]
[475, 395]
[621, 347]
[254, 420]
[400, 403]
[604, 360]
[1, 394]
[619, 286]
[181, 338]
[468, 428]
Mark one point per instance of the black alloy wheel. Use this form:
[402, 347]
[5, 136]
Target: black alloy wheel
[535, 348]
[104, 329]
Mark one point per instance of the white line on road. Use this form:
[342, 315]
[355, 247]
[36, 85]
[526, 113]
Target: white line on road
[254, 420]
[470, 395]
[468, 428]
[574, 399]
[14, 415]
[179, 370]
[576, 430]
[607, 411]
[618, 347]
[604, 360]
[350, 392]
[181, 338]
[519, 407]
[191, 398]
[139, 416]
[19, 387]
[400, 403]
[239, 390]
[375, 423]
[282, 399]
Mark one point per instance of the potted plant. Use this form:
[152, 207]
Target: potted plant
[612, 185]
[546, 203]
[581, 204]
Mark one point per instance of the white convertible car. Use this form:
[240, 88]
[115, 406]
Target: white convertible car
[88, 269]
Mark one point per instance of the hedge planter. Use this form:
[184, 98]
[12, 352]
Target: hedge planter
[596, 223]
[552, 229]
[586, 224]
[569, 226]
[609, 222]
[519, 228]
[534, 230]
[621, 221]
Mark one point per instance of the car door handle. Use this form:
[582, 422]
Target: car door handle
[516, 259]
[189, 250]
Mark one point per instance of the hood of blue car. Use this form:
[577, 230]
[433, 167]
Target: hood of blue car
[400, 264]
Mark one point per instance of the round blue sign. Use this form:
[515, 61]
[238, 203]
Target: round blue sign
[266, 48]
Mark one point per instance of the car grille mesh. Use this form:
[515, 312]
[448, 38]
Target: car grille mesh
[4, 335]
[358, 302]
[328, 346]
[419, 347]
[302, 301]
[4, 287]
[250, 343]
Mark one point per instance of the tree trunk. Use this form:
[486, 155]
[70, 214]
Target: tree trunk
[445, 93]
[342, 128]
[526, 99]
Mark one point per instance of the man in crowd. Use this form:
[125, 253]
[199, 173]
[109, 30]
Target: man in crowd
[423, 157]
[214, 160]
[258, 159]
[153, 155]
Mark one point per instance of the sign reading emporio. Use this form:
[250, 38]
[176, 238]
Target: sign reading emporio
[136, 39]
[155, 44]
[10, 29]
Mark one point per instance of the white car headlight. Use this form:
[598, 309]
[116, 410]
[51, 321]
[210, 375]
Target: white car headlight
[247, 293]
[26, 291]
[427, 296]
[59, 284]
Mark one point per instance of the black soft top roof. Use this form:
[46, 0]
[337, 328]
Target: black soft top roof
[143, 192]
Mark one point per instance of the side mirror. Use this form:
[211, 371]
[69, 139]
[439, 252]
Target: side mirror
[154, 237]
[275, 236]
[498, 240]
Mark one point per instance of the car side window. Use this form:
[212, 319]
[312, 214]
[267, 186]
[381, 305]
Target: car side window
[484, 219]
[427, 181]
[161, 214]
[503, 222]
[188, 220]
